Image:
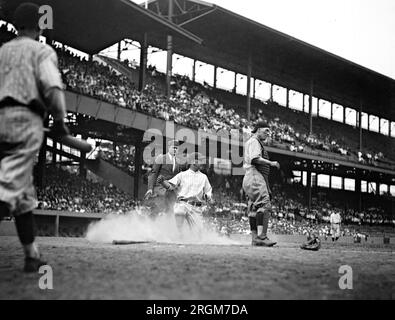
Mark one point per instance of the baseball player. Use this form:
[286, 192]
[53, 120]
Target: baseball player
[335, 220]
[167, 166]
[193, 189]
[30, 87]
[255, 183]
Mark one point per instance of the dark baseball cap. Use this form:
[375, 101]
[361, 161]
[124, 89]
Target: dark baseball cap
[26, 16]
[260, 124]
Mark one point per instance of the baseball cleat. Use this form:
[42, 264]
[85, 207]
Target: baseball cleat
[33, 264]
[263, 242]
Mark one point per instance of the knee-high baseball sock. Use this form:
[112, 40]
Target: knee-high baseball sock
[253, 224]
[253, 227]
[262, 223]
[4, 210]
[26, 232]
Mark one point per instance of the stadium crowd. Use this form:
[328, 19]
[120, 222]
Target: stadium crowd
[66, 191]
[122, 158]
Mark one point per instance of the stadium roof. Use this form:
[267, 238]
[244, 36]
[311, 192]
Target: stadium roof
[93, 25]
[278, 58]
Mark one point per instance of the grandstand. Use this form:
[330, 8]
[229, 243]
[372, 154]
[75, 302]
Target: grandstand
[336, 165]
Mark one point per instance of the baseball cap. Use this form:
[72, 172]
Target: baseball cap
[26, 16]
[195, 156]
[260, 124]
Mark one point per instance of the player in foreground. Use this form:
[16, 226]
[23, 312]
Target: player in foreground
[193, 190]
[30, 87]
[256, 183]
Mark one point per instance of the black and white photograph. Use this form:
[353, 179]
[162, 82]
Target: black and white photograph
[197, 155]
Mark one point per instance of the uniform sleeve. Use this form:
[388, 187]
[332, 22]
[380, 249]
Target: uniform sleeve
[176, 180]
[208, 190]
[48, 73]
[254, 150]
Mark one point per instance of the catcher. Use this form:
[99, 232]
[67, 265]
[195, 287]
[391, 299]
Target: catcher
[256, 183]
[193, 190]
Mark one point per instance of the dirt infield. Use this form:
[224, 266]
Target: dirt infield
[83, 270]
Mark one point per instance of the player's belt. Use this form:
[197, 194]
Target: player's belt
[194, 203]
[9, 102]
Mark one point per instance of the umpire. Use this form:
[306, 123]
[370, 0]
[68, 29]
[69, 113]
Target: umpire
[30, 88]
[166, 166]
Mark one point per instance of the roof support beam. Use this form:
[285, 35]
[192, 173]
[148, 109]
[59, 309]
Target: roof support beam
[311, 106]
[360, 125]
[379, 124]
[271, 91]
[119, 49]
[308, 182]
[179, 7]
[215, 77]
[143, 62]
[169, 53]
[194, 70]
[249, 71]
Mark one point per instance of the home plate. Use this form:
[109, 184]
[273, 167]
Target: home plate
[129, 242]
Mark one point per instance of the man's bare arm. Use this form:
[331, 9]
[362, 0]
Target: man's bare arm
[56, 102]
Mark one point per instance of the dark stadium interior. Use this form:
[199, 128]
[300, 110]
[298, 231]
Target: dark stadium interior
[91, 33]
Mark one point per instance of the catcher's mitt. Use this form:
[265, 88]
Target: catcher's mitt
[313, 245]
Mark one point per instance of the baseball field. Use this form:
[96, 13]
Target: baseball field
[87, 270]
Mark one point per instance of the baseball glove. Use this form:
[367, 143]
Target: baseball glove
[313, 245]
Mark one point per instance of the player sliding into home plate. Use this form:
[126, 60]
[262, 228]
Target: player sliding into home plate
[193, 192]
